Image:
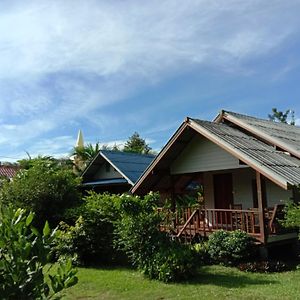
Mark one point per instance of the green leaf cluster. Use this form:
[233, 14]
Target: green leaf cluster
[25, 255]
[230, 247]
[46, 187]
[149, 249]
[292, 216]
[136, 144]
[89, 233]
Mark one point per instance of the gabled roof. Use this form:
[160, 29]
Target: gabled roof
[276, 165]
[129, 165]
[284, 136]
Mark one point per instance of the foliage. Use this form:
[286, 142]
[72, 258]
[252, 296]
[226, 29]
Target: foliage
[24, 255]
[149, 249]
[83, 155]
[292, 216]
[136, 144]
[230, 247]
[45, 187]
[88, 152]
[91, 238]
[282, 117]
[202, 254]
[61, 163]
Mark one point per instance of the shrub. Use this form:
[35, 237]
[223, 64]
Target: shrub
[149, 249]
[45, 187]
[202, 254]
[230, 247]
[292, 216]
[91, 236]
[24, 254]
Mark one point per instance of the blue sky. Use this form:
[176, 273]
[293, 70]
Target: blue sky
[114, 67]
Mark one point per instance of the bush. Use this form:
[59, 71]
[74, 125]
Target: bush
[149, 249]
[202, 254]
[24, 254]
[46, 188]
[292, 216]
[230, 247]
[91, 237]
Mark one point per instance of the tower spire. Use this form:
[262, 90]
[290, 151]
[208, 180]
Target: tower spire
[79, 143]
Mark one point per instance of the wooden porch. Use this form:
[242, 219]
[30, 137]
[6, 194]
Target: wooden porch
[190, 222]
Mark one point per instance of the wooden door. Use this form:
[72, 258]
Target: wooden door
[223, 190]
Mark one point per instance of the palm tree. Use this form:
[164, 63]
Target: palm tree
[83, 155]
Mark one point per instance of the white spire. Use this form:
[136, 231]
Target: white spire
[79, 142]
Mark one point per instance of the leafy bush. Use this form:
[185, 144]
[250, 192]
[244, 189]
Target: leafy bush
[91, 236]
[149, 249]
[230, 247]
[202, 254]
[45, 187]
[292, 216]
[24, 255]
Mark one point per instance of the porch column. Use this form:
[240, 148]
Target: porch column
[260, 208]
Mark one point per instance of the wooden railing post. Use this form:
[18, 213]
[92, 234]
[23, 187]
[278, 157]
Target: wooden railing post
[260, 208]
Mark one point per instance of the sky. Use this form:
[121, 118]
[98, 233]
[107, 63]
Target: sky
[111, 68]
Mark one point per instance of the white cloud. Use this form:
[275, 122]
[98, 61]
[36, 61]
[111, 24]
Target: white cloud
[62, 60]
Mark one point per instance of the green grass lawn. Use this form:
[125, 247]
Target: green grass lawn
[213, 282]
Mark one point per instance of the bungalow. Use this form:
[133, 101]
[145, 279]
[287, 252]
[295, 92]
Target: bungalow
[243, 169]
[114, 171]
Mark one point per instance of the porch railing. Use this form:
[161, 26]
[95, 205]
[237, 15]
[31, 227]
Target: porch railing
[188, 222]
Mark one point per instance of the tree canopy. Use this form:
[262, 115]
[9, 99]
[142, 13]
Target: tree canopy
[136, 144]
[44, 187]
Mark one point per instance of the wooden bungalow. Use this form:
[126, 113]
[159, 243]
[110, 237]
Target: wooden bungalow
[114, 171]
[242, 169]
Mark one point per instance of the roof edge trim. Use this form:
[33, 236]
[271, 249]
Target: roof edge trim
[161, 154]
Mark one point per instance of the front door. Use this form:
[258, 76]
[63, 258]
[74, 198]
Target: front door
[223, 190]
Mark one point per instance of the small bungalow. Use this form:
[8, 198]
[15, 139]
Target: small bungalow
[114, 171]
[241, 169]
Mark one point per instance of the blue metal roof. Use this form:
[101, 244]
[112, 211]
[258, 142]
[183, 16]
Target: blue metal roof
[132, 165]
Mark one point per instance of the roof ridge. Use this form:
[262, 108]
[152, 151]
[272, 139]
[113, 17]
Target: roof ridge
[127, 153]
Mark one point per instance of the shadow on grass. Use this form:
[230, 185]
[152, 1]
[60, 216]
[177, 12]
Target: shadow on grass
[228, 279]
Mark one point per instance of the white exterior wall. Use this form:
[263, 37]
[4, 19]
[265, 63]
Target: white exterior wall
[202, 155]
[276, 194]
[242, 189]
[103, 174]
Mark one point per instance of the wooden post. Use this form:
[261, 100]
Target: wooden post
[260, 208]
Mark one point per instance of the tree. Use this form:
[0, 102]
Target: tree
[282, 117]
[83, 155]
[136, 144]
[45, 187]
